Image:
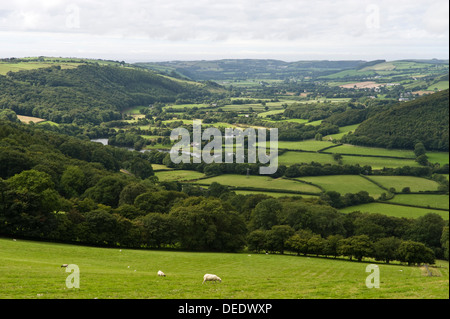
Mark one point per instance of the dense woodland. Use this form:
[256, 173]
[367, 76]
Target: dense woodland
[88, 94]
[423, 120]
[60, 188]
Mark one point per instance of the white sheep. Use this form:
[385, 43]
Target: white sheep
[209, 277]
[160, 273]
[64, 265]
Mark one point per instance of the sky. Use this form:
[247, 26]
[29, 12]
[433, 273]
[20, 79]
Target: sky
[165, 30]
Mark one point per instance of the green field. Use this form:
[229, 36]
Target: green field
[342, 131]
[188, 106]
[416, 184]
[394, 210]
[31, 270]
[344, 184]
[15, 67]
[378, 162]
[438, 157]
[441, 85]
[360, 150]
[291, 158]
[272, 112]
[178, 175]
[260, 182]
[426, 200]
[308, 145]
[273, 194]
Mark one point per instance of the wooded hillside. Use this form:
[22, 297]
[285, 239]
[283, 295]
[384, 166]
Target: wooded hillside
[423, 120]
[89, 93]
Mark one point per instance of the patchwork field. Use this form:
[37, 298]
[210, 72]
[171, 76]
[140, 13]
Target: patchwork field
[344, 184]
[361, 85]
[31, 270]
[441, 85]
[260, 182]
[342, 131]
[416, 184]
[273, 194]
[368, 151]
[28, 119]
[438, 157]
[394, 210]
[428, 200]
[378, 162]
[178, 175]
[291, 158]
[308, 145]
[15, 67]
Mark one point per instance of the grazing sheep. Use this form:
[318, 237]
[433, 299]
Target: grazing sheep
[160, 273]
[64, 265]
[209, 277]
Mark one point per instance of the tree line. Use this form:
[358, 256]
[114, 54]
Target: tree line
[423, 120]
[60, 188]
[89, 93]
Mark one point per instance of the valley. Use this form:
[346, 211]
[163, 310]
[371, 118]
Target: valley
[363, 158]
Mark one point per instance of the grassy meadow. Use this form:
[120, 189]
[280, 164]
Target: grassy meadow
[416, 184]
[21, 66]
[371, 151]
[394, 210]
[291, 158]
[261, 182]
[344, 184]
[31, 270]
[178, 175]
[425, 200]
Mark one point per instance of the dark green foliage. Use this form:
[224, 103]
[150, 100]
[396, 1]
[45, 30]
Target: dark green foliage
[415, 253]
[106, 191]
[58, 187]
[88, 93]
[422, 120]
[209, 224]
[386, 249]
[9, 115]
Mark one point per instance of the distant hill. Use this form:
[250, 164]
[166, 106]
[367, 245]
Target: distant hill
[422, 120]
[241, 69]
[90, 93]
[381, 71]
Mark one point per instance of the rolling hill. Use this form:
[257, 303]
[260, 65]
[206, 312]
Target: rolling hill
[422, 120]
[230, 69]
[90, 93]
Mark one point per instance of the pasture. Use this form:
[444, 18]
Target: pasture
[378, 162]
[274, 194]
[178, 175]
[6, 67]
[438, 157]
[371, 151]
[394, 210]
[344, 184]
[260, 182]
[425, 200]
[441, 85]
[307, 145]
[291, 158]
[342, 131]
[416, 184]
[31, 270]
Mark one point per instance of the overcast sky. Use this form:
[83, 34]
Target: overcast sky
[162, 30]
